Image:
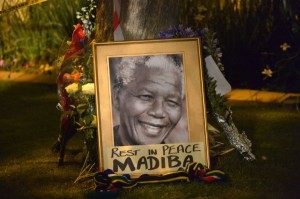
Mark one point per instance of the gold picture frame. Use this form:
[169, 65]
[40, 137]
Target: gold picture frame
[174, 151]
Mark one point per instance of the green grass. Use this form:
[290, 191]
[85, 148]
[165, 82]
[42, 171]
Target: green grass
[29, 125]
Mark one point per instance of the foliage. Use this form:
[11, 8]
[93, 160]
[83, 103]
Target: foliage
[217, 102]
[286, 73]
[36, 32]
[87, 16]
[81, 91]
[250, 34]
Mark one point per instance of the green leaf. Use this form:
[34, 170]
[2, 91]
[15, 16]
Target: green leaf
[88, 119]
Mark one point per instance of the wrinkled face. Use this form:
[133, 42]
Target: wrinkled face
[150, 106]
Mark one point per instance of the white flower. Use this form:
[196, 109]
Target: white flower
[72, 88]
[88, 89]
[268, 72]
[285, 46]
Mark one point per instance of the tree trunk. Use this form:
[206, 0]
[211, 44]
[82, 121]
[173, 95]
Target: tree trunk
[104, 21]
[139, 19]
[143, 19]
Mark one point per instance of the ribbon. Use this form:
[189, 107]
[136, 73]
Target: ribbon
[109, 181]
[21, 5]
[118, 34]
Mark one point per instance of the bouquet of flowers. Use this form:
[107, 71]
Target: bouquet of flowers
[75, 83]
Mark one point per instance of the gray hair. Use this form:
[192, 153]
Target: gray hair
[123, 69]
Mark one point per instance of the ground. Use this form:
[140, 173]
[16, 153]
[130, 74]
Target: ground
[29, 126]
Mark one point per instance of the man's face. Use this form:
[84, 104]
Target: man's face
[150, 107]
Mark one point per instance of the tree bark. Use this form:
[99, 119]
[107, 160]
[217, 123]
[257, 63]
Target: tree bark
[104, 21]
[139, 19]
[143, 19]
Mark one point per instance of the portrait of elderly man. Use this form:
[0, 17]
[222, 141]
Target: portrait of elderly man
[148, 100]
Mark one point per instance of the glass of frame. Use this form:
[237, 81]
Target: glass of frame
[150, 105]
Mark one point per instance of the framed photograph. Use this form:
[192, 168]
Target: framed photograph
[150, 105]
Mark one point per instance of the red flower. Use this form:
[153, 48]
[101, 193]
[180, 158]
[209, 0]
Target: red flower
[77, 43]
[74, 49]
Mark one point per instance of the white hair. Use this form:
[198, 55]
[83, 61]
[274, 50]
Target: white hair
[124, 71]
